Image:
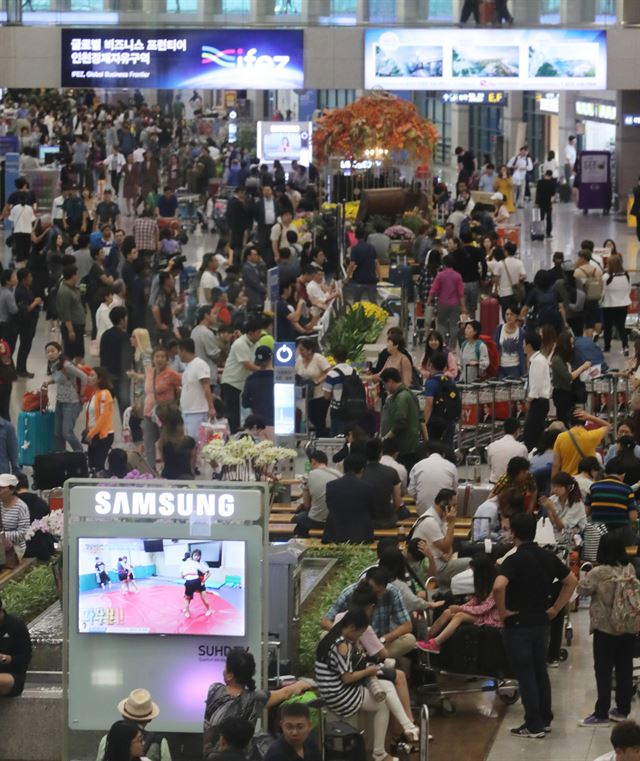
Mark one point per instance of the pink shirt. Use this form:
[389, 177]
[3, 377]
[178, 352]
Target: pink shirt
[484, 613]
[448, 287]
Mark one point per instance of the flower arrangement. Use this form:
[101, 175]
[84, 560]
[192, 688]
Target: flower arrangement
[361, 325]
[244, 459]
[51, 524]
[378, 122]
[399, 232]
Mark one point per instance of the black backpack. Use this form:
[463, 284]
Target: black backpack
[447, 403]
[353, 402]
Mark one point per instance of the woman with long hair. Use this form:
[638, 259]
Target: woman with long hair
[611, 246]
[396, 358]
[124, 742]
[342, 678]
[612, 649]
[435, 345]
[312, 368]
[563, 377]
[178, 451]
[565, 506]
[509, 338]
[99, 419]
[238, 696]
[142, 352]
[616, 298]
[70, 382]
[544, 303]
[504, 185]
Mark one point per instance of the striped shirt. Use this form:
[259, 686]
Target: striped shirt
[611, 500]
[15, 523]
[343, 699]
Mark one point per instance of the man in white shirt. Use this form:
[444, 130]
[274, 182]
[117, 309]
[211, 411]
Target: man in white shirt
[114, 163]
[538, 391]
[319, 296]
[279, 232]
[239, 365]
[389, 454]
[521, 164]
[429, 476]
[570, 156]
[436, 527]
[314, 494]
[22, 218]
[500, 451]
[196, 402]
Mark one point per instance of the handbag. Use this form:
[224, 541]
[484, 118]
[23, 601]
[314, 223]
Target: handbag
[575, 444]
[545, 534]
[518, 290]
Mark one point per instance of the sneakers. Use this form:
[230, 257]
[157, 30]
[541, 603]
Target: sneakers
[616, 716]
[522, 731]
[593, 721]
[430, 646]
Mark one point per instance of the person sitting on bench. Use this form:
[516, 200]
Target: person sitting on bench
[15, 654]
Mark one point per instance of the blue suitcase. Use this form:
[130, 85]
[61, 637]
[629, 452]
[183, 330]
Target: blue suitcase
[35, 435]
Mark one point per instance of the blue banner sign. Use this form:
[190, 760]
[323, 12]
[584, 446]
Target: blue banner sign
[221, 59]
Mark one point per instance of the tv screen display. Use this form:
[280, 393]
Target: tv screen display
[285, 141]
[161, 586]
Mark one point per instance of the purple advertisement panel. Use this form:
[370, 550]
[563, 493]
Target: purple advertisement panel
[221, 59]
[593, 180]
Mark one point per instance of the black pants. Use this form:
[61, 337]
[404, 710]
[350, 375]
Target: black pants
[98, 451]
[502, 12]
[231, 400]
[613, 652]
[21, 246]
[545, 212]
[563, 401]
[115, 181]
[25, 334]
[72, 348]
[304, 524]
[5, 400]
[536, 422]
[9, 331]
[527, 648]
[470, 7]
[556, 628]
[614, 316]
[317, 409]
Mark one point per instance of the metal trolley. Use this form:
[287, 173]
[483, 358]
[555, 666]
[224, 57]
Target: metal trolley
[608, 397]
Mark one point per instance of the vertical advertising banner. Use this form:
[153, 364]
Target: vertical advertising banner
[486, 59]
[222, 59]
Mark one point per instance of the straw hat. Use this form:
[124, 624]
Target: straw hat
[138, 706]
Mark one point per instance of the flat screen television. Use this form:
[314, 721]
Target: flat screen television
[285, 141]
[161, 586]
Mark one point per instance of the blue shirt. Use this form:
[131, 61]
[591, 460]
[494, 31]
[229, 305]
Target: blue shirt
[364, 257]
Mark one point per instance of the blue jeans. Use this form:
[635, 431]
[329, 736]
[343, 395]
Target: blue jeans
[526, 648]
[66, 414]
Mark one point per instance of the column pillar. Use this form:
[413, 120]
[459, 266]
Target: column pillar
[14, 12]
[627, 146]
[629, 11]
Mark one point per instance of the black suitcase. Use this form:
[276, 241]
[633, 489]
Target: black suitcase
[461, 654]
[52, 470]
[342, 742]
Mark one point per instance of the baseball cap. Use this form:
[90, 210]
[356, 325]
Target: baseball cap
[263, 354]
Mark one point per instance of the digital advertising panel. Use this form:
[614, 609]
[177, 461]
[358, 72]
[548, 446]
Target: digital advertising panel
[485, 59]
[218, 59]
[285, 141]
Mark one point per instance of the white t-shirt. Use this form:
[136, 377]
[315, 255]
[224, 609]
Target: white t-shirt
[570, 154]
[508, 358]
[190, 569]
[317, 294]
[316, 367]
[22, 218]
[192, 396]
[432, 528]
[103, 320]
[515, 269]
[210, 281]
[499, 453]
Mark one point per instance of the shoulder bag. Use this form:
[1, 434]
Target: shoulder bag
[517, 289]
[574, 441]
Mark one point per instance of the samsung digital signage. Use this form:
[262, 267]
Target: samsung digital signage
[485, 59]
[220, 59]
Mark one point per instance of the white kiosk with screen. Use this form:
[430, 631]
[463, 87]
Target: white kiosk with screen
[285, 142]
[161, 581]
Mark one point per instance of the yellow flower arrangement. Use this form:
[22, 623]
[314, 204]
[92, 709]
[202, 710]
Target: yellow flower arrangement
[371, 310]
[351, 209]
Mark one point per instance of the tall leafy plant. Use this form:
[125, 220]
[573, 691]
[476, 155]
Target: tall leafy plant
[354, 329]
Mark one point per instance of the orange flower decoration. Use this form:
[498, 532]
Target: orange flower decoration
[379, 120]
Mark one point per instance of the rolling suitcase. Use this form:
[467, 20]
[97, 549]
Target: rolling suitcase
[537, 226]
[35, 435]
[53, 469]
[342, 742]
[489, 315]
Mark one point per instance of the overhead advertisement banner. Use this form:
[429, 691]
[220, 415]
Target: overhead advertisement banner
[487, 59]
[222, 59]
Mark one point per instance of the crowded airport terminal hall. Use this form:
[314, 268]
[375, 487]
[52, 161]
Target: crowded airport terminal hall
[319, 380]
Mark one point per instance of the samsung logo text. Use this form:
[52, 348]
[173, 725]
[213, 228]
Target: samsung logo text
[181, 504]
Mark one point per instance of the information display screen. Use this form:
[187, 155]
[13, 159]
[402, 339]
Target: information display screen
[486, 59]
[161, 586]
[189, 58]
[285, 141]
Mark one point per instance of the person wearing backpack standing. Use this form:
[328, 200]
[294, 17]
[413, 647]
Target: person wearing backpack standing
[403, 419]
[614, 620]
[474, 356]
[442, 403]
[590, 274]
[616, 299]
[345, 392]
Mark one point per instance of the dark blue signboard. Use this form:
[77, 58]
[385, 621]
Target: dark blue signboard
[221, 59]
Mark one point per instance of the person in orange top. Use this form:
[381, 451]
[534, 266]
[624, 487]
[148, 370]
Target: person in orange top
[99, 419]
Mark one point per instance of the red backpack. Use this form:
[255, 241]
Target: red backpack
[494, 357]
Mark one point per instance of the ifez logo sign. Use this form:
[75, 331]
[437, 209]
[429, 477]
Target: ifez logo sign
[238, 58]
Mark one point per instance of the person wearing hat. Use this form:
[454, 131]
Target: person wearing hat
[258, 389]
[15, 654]
[14, 521]
[501, 214]
[140, 709]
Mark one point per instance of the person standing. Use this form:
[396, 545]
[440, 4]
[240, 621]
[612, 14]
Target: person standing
[253, 277]
[538, 391]
[363, 269]
[116, 355]
[616, 299]
[240, 363]
[545, 193]
[70, 383]
[502, 12]
[448, 289]
[239, 221]
[71, 314]
[27, 318]
[206, 346]
[355, 524]
[520, 164]
[99, 420]
[114, 164]
[570, 158]
[196, 401]
[266, 215]
[22, 217]
[522, 591]
[402, 421]
[470, 7]
[257, 394]
[8, 308]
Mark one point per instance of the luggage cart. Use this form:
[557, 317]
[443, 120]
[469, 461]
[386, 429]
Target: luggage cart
[188, 210]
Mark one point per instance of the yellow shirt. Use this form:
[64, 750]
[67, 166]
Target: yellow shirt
[567, 451]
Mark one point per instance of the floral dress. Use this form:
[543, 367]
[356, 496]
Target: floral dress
[425, 281]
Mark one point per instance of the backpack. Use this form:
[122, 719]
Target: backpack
[592, 286]
[625, 613]
[447, 404]
[353, 402]
[494, 356]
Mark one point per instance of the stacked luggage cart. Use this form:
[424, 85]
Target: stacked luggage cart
[609, 398]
